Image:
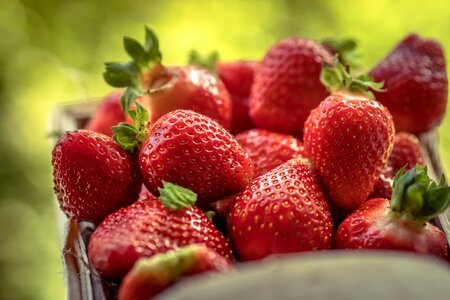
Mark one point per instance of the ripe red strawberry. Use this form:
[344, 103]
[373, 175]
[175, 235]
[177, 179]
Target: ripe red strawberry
[238, 79]
[151, 226]
[167, 88]
[281, 211]
[402, 223]
[190, 150]
[414, 75]
[93, 176]
[406, 153]
[150, 276]
[188, 88]
[287, 85]
[108, 114]
[349, 138]
[268, 150]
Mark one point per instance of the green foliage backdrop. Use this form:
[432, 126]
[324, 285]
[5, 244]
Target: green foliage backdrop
[52, 51]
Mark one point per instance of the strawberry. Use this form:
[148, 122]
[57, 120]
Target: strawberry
[93, 176]
[349, 138]
[287, 85]
[401, 224]
[190, 150]
[414, 75]
[152, 226]
[165, 89]
[281, 211]
[238, 79]
[406, 153]
[150, 276]
[108, 114]
[268, 150]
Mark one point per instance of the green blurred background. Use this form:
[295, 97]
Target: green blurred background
[52, 51]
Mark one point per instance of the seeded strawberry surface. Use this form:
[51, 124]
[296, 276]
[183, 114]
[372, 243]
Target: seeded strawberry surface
[93, 176]
[193, 151]
[407, 152]
[188, 88]
[147, 228]
[371, 227]
[287, 85]
[349, 139]
[268, 150]
[281, 211]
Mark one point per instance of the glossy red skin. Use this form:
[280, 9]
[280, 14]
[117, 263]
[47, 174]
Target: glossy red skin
[349, 139]
[372, 227]
[189, 88]
[287, 85]
[383, 185]
[406, 152]
[146, 228]
[268, 150]
[93, 176]
[143, 285]
[415, 80]
[108, 114]
[238, 79]
[193, 151]
[282, 211]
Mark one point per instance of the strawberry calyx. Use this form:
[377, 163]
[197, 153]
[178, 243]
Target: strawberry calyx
[418, 198]
[176, 197]
[128, 136]
[207, 62]
[345, 51]
[337, 77]
[170, 265]
[129, 75]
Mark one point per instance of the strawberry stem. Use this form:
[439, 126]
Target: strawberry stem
[176, 197]
[336, 78]
[416, 195]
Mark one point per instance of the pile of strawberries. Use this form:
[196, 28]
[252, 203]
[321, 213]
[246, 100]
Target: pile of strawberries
[188, 169]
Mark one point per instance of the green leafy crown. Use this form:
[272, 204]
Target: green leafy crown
[345, 50]
[337, 77]
[128, 75]
[206, 62]
[418, 196]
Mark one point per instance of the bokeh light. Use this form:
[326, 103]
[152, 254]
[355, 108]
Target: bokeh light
[52, 52]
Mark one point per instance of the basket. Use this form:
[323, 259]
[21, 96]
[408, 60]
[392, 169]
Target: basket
[83, 282]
